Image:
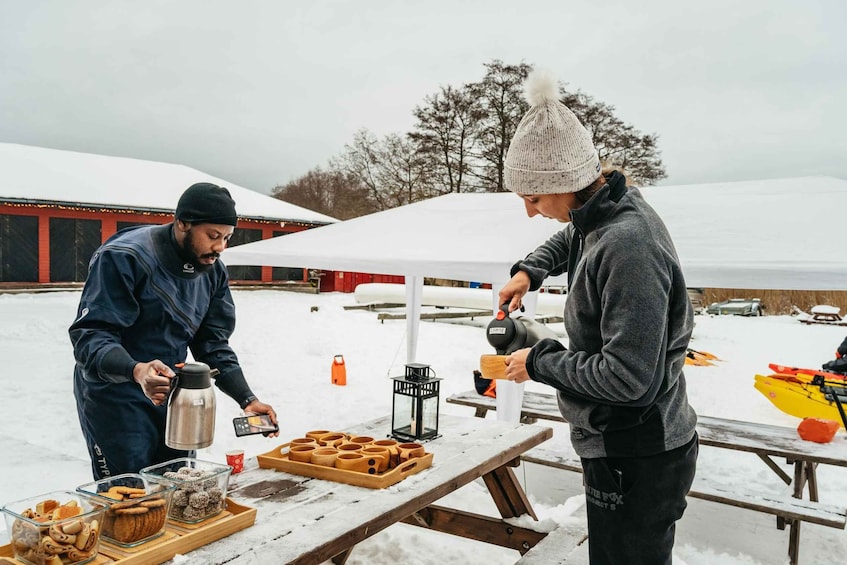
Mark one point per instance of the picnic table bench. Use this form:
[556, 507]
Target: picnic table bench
[765, 441]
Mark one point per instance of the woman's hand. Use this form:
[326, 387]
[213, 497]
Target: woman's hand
[516, 365]
[514, 290]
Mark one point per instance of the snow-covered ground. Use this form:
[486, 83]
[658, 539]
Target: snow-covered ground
[287, 349]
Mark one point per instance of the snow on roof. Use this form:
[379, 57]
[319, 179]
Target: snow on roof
[52, 175]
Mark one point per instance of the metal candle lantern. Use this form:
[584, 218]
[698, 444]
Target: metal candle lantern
[414, 414]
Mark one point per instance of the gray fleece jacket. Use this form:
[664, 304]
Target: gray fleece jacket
[628, 318]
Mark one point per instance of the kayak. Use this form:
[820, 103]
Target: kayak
[795, 393]
[700, 358]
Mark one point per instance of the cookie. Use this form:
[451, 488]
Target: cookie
[128, 491]
[154, 503]
[92, 540]
[73, 528]
[60, 536]
[133, 510]
[83, 537]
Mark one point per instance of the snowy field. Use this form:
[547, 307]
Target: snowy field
[287, 349]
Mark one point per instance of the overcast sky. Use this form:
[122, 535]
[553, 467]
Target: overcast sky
[259, 92]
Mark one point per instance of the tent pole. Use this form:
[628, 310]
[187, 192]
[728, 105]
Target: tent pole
[414, 295]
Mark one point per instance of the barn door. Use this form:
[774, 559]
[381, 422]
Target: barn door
[18, 248]
[72, 243]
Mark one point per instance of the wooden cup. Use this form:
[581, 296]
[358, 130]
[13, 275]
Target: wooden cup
[380, 452]
[304, 441]
[324, 456]
[493, 366]
[349, 448]
[332, 439]
[391, 444]
[410, 451]
[315, 434]
[302, 453]
[361, 440]
[357, 462]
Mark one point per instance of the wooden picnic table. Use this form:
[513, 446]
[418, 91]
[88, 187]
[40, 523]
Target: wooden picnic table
[764, 440]
[307, 521]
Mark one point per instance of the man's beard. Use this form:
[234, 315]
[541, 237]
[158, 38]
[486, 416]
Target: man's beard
[189, 253]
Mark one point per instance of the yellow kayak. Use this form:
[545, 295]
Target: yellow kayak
[799, 397]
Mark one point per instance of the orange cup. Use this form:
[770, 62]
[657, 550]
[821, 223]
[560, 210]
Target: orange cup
[332, 439]
[391, 444]
[357, 462]
[349, 448]
[304, 441]
[302, 453]
[381, 453]
[410, 451]
[315, 434]
[324, 456]
[361, 440]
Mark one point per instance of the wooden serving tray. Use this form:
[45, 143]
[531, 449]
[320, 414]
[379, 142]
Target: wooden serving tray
[278, 459]
[178, 538]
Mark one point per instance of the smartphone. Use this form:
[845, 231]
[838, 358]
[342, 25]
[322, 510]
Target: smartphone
[255, 424]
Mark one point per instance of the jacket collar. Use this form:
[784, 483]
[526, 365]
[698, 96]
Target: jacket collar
[601, 205]
[169, 254]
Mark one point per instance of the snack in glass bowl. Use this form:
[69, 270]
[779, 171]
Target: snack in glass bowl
[201, 487]
[137, 507]
[55, 528]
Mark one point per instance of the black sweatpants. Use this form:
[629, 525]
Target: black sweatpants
[633, 504]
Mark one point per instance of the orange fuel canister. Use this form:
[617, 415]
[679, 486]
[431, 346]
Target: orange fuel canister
[339, 371]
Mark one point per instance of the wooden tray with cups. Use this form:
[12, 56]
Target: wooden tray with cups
[345, 458]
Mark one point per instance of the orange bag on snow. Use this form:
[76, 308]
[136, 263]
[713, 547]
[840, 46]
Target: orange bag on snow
[817, 430]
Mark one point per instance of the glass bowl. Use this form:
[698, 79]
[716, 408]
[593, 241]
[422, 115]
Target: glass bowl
[137, 507]
[55, 527]
[201, 487]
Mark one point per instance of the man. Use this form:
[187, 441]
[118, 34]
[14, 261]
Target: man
[153, 293]
[628, 319]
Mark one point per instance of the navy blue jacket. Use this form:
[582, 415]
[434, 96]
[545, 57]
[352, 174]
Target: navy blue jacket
[142, 301]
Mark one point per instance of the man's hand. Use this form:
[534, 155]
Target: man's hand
[514, 290]
[258, 407]
[516, 365]
[155, 380]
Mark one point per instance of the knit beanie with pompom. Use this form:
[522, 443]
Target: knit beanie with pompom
[551, 152]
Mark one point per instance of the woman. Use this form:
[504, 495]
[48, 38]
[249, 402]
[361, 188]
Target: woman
[628, 318]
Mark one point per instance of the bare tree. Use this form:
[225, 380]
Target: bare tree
[618, 144]
[446, 131]
[334, 193]
[499, 96]
[392, 169]
[459, 143]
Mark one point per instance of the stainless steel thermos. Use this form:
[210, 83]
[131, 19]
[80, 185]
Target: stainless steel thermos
[190, 421]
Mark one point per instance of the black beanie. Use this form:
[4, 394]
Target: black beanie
[206, 203]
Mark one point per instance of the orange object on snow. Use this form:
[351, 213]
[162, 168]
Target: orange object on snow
[818, 430]
[339, 371]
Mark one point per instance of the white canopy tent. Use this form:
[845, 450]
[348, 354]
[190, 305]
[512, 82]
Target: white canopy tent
[771, 234]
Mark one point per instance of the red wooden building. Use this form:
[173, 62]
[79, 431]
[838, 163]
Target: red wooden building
[57, 207]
